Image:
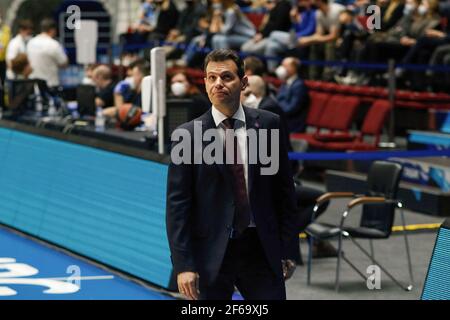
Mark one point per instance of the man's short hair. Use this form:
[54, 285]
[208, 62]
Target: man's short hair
[255, 65]
[220, 55]
[103, 72]
[25, 24]
[295, 62]
[143, 67]
[47, 25]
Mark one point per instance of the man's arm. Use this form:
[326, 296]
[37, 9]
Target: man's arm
[178, 216]
[285, 197]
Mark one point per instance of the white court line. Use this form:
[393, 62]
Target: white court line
[83, 278]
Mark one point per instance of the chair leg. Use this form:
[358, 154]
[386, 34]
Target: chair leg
[408, 254]
[372, 251]
[338, 266]
[310, 241]
[406, 288]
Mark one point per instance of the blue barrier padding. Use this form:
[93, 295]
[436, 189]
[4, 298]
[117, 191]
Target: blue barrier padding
[371, 155]
[430, 139]
[104, 205]
[44, 263]
[349, 65]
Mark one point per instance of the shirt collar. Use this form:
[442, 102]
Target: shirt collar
[219, 116]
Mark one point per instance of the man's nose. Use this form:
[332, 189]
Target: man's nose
[218, 82]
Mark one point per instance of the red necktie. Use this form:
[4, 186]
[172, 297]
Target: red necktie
[242, 209]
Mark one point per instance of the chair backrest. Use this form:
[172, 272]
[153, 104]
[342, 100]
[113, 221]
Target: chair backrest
[375, 117]
[383, 180]
[317, 104]
[339, 112]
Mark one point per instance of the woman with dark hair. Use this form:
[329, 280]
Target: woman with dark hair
[181, 86]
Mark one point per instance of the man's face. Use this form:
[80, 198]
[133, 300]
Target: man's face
[223, 84]
[287, 63]
[137, 77]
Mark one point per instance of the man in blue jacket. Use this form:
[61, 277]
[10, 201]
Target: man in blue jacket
[293, 94]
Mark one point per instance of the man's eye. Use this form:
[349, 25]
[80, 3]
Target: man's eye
[211, 78]
[227, 77]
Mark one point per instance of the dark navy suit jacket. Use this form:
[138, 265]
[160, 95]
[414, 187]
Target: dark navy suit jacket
[294, 101]
[200, 207]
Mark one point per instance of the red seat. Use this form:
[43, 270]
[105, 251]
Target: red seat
[337, 115]
[372, 126]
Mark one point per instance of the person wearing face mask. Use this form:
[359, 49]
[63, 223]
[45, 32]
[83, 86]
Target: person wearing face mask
[293, 94]
[18, 45]
[182, 87]
[398, 40]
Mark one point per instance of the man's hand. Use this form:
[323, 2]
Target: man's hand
[435, 33]
[188, 284]
[289, 267]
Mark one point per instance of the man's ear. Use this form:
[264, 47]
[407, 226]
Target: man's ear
[244, 82]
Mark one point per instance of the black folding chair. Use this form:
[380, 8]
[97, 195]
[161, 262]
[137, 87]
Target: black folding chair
[379, 205]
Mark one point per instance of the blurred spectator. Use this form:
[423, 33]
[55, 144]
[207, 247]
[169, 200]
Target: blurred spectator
[182, 87]
[351, 32]
[418, 19]
[148, 17]
[5, 36]
[231, 28]
[323, 41]
[129, 90]
[254, 66]
[20, 67]
[255, 96]
[157, 18]
[167, 19]
[423, 52]
[46, 55]
[102, 77]
[18, 44]
[293, 94]
[275, 19]
[223, 25]
[391, 13]
[88, 78]
[303, 18]
[187, 27]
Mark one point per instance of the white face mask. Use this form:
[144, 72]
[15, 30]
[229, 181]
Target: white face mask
[130, 81]
[251, 101]
[178, 89]
[281, 73]
[422, 10]
[409, 8]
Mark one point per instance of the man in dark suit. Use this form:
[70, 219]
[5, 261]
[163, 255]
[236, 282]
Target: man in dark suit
[293, 94]
[230, 224]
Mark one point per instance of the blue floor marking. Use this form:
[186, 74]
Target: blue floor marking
[28, 269]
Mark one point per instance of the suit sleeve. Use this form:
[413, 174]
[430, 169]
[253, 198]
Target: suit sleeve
[291, 100]
[178, 216]
[287, 205]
